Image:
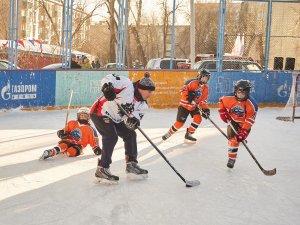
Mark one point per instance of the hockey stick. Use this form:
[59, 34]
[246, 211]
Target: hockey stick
[266, 172]
[70, 100]
[188, 183]
[217, 127]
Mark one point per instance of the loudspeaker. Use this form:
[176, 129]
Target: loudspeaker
[278, 63]
[289, 63]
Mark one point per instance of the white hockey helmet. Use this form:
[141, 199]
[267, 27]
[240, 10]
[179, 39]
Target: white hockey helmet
[85, 111]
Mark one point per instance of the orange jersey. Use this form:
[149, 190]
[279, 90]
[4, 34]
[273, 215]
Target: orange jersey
[201, 94]
[243, 113]
[89, 135]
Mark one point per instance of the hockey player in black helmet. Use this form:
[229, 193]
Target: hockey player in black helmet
[203, 73]
[242, 86]
[240, 109]
[193, 102]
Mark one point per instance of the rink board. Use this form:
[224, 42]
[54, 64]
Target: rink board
[271, 89]
[27, 89]
[33, 89]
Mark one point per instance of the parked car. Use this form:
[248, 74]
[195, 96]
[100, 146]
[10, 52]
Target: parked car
[111, 66]
[184, 65]
[232, 64]
[54, 66]
[164, 63]
[4, 65]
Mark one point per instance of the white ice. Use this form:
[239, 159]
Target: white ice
[61, 191]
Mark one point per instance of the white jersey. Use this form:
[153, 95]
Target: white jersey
[124, 90]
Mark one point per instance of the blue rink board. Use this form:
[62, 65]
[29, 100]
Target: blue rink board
[270, 88]
[27, 89]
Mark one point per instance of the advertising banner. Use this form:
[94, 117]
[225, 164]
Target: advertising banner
[27, 89]
[272, 88]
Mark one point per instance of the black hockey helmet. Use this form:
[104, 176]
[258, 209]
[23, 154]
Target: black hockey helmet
[244, 86]
[203, 73]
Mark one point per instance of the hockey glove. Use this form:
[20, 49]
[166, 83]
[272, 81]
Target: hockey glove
[205, 113]
[242, 135]
[62, 134]
[97, 150]
[224, 115]
[132, 123]
[108, 91]
[128, 107]
[191, 95]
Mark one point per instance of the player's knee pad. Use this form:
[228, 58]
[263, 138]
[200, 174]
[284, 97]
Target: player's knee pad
[74, 151]
[64, 145]
[233, 143]
[197, 119]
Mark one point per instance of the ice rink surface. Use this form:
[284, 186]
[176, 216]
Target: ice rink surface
[61, 190]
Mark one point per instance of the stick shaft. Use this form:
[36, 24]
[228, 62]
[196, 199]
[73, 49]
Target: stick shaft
[70, 100]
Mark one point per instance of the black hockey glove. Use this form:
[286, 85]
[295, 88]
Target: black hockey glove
[191, 95]
[128, 107]
[205, 113]
[108, 91]
[61, 134]
[97, 150]
[132, 123]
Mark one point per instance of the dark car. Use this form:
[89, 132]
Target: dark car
[232, 64]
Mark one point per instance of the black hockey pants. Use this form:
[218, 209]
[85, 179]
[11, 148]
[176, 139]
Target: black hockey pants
[110, 132]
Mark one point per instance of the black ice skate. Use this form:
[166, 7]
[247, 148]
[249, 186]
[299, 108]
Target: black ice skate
[104, 175]
[46, 154]
[230, 163]
[188, 138]
[166, 136]
[132, 168]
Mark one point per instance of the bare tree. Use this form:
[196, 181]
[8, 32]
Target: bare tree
[206, 27]
[165, 18]
[4, 15]
[136, 31]
[112, 24]
[79, 22]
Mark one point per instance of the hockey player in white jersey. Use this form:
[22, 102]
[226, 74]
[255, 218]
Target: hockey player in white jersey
[111, 122]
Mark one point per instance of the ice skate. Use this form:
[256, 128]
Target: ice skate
[103, 175]
[134, 171]
[46, 154]
[188, 138]
[230, 163]
[166, 136]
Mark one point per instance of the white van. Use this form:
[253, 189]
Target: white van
[163, 63]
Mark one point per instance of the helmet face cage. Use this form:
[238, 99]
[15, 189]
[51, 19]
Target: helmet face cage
[203, 73]
[244, 86]
[85, 111]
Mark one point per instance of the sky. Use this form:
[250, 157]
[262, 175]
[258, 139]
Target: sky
[62, 190]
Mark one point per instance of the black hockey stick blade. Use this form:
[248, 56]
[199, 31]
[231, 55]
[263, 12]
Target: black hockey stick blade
[192, 183]
[269, 172]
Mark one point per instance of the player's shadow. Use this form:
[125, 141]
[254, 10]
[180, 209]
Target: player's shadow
[23, 168]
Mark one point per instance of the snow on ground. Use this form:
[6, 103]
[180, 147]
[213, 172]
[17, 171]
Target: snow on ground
[62, 191]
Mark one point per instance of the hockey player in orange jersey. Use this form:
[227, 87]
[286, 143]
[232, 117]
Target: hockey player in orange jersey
[193, 98]
[75, 137]
[240, 109]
